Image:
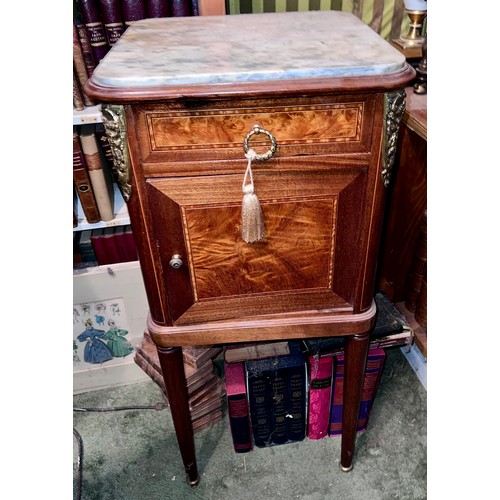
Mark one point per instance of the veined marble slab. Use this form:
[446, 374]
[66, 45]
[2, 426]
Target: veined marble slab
[245, 48]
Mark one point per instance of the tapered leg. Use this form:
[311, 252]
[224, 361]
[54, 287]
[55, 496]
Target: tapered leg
[175, 381]
[356, 352]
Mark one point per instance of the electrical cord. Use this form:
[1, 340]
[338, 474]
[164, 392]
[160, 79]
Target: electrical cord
[79, 440]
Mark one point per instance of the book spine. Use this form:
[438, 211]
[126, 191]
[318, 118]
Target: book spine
[133, 10]
[82, 183]
[85, 247]
[237, 408]
[77, 94]
[195, 10]
[279, 406]
[95, 29]
[113, 22]
[372, 376]
[320, 392]
[149, 369]
[258, 397]
[83, 38]
[337, 397]
[131, 247]
[102, 138]
[111, 246]
[179, 8]
[79, 67]
[100, 249]
[296, 402]
[157, 8]
[100, 178]
[370, 382]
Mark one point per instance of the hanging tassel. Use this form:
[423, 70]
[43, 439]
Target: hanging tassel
[252, 227]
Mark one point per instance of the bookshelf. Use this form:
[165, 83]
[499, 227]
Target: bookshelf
[118, 286]
[121, 214]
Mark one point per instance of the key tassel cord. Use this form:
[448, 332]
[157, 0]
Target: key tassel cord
[252, 219]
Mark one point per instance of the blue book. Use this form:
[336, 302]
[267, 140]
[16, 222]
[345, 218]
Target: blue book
[277, 393]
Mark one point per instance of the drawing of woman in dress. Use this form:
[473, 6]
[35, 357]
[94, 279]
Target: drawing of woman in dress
[117, 343]
[96, 351]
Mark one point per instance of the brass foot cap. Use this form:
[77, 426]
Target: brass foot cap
[194, 483]
[345, 469]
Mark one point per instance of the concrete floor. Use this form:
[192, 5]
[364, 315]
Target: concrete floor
[133, 455]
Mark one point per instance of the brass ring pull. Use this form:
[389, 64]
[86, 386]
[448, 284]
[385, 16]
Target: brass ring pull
[257, 129]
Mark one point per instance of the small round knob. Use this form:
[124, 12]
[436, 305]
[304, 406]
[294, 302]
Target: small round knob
[175, 261]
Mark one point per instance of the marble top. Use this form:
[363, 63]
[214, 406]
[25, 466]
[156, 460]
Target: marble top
[245, 48]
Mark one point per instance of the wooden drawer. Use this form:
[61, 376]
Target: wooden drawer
[175, 139]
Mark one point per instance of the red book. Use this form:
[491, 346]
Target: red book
[112, 251]
[237, 407]
[99, 247]
[133, 10]
[179, 8]
[104, 246]
[113, 21]
[320, 392]
[95, 29]
[157, 8]
[373, 371]
[130, 244]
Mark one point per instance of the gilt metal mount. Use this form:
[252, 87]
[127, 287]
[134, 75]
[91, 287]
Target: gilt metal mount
[394, 107]
[113, 117]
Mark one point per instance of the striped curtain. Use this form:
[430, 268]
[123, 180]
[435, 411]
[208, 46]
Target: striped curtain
[386, 17]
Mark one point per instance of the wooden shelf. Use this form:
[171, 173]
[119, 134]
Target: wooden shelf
[91, 114]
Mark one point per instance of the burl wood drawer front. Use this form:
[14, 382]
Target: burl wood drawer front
[179, 133]
[294, 268]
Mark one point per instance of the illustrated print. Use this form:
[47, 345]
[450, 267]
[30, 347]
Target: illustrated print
[115, 309]
[76, 358]
[96, 351]
[99, 320]
[76, 315]
[86, 309]
[117, 343]
[100, 308]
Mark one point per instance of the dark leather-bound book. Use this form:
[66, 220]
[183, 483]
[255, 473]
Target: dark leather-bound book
[157, 8]
[195, 10]
[237, 407]
[102, 138]
[296, 394]
[80, 67]
[95, 29]
[113, 20]
[83, 38]
[133, 10]
[389, 322]
[259, 397]
[77, 93]
[82, 182]
[179, 8]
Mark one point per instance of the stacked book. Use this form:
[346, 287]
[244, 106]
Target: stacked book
[205, 388]
[280, 392]
[101, 246]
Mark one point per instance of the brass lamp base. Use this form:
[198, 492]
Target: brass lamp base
[413, 37]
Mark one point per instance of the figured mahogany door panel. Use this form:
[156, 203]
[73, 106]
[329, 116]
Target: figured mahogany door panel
[194, 131]
[292, 268]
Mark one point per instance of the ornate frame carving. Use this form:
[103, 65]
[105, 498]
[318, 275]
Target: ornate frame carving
[116, 130]
[394, 107]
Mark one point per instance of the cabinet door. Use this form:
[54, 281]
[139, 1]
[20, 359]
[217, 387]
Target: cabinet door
[307, 261]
